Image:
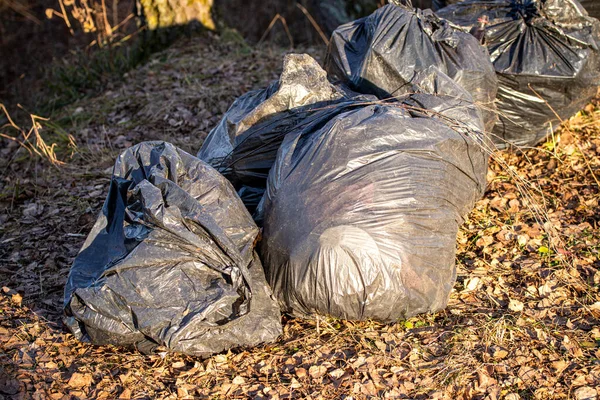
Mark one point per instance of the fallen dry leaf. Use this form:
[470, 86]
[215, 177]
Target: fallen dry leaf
[515, 305]
[17, 299]
[301, 373]
[317, 371]
[78, 381]
[585, 393]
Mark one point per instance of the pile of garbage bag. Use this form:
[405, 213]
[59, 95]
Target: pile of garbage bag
[381, 53]
[359, 175]
[546, 55]
[170, 261]
[243, 146]
[592, 7]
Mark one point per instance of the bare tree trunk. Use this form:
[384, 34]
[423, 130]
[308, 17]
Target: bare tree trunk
[159, 14]
[252, 17]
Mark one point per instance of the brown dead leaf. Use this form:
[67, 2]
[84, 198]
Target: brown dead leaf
[484, 241]
[527, 374]
[368, 389]
[515, 305]
[220, 359]
[559, 366]
[499, 353]
[301, 373]
[585, 393]
[317, 371]
[125, 394]
[17, 299]
[78, 380]
[295, 384]
[337, 373]
[484, 380]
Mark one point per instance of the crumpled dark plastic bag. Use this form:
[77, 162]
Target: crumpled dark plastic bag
[170, 261]
[380, 54]
[591, 6]
[243, 146]
[426, 4]
[361, 214]
[547, 58]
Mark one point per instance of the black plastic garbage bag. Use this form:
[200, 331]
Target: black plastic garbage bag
[243, 146]
[546, 54]
[425, 4]
[380, 54]
[361, 214]
[170, 261]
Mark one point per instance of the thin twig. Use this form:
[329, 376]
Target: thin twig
[66, 17]
[276, 18]
[313, 23]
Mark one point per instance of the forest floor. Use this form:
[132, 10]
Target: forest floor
[523, 319]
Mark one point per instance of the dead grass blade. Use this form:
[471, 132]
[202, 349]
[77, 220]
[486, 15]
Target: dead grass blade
[281, 19]
[32, 140]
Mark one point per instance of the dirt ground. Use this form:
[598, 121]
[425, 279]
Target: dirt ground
[522, 320]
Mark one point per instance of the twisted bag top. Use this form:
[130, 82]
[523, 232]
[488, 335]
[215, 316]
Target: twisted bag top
[381, 54]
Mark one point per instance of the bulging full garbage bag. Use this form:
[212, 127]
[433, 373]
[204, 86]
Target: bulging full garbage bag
[380, 54]
[243, 146]
[361, 214]
[547, 57]
[170, 261]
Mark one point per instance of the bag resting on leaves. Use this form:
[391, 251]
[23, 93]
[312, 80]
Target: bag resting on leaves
[547, 57]
[361, 214]
[170, 261]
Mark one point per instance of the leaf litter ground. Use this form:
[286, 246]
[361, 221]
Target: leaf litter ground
[522, 320]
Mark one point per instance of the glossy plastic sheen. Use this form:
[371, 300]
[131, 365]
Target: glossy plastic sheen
[170, 261]
[381, 54]
[361, 214]
[547, 58]
[243, 146]
[591, 6]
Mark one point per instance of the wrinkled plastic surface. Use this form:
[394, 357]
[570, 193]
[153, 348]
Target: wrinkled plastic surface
[547, 58]
[426, 4]
[361, 214]
[170, 261]
[244, 144]
[380, 54]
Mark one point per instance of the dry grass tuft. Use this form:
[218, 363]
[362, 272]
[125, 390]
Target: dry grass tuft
[32, 140]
